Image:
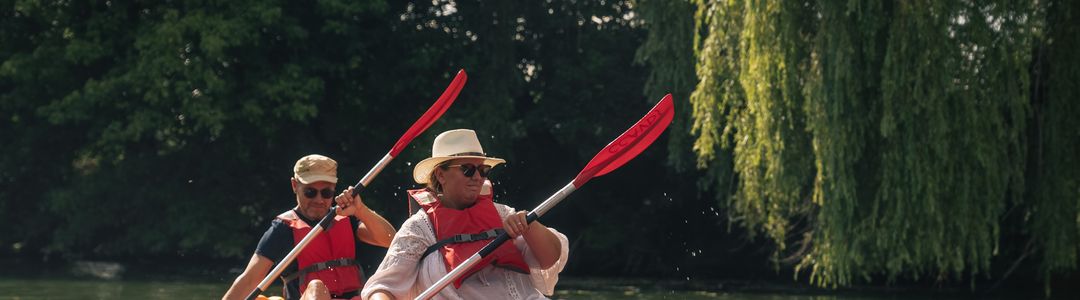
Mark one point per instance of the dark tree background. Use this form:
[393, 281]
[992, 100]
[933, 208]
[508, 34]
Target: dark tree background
[832, 141]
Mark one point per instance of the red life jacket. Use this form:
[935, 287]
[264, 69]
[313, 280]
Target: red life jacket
[476, 220]
[330, 256]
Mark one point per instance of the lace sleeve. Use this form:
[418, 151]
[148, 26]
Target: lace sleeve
[504, 210]
[398, 271]
[543, 280]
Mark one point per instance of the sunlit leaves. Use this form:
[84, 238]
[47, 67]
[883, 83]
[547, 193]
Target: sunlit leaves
[880, 138]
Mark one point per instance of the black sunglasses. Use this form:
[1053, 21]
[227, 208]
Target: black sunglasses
[469, 169]
[327, 193]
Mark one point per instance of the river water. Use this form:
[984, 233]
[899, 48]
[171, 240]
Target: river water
[97, 280]
[129, 288]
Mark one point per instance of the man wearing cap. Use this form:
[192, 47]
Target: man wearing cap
[456, 217]
[327, 268]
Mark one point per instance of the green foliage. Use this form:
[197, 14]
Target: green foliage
[159, 111]
[840, 121]
[863, 140]
[955, 103]
[718, 56]
[1055, 213]
[882, 138]
[168, 129]
[668, 52]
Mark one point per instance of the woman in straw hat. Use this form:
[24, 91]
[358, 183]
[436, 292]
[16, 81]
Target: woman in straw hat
[456, 218]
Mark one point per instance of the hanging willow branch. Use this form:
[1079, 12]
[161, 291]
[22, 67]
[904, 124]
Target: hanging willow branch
[903, 121]
[1055, 219]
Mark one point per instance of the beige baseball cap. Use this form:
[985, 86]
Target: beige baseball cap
[314, 168]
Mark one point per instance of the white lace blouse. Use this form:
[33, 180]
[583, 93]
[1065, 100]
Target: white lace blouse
[399, 275]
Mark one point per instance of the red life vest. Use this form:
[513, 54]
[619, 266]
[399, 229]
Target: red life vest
[481, 217]
[330, 256]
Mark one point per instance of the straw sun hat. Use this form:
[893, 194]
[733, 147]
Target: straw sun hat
[453, 144]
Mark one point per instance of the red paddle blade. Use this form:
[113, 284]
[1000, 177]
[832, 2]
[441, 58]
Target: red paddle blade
[629, 144]
[432, 113]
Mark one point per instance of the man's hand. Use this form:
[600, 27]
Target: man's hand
[349, 204]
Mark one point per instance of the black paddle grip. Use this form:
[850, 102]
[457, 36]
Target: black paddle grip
[328, 220]
[254, 294]
[357, 188]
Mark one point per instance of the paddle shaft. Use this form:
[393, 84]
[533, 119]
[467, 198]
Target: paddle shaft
[494, 244]
[371, 173]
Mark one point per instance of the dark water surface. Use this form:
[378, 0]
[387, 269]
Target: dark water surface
[82, 280]
[131, 288]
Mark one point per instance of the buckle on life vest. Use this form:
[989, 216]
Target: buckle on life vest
[463, 238]
[334, 263]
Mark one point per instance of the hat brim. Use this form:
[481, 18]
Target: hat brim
[308, 179]
[423, 169]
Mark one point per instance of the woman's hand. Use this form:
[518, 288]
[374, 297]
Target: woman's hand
[515, 224]
[545, 246]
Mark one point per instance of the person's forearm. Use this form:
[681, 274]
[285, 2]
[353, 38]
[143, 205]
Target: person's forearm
[256, 269]
[544, 244]
[240, 288]
[381, 232]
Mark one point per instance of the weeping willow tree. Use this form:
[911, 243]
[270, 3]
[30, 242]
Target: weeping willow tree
[1055, 218]
[669, 54]
[888, 138]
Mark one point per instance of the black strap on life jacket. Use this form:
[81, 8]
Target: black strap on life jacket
[340, 262]
[463, 238]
